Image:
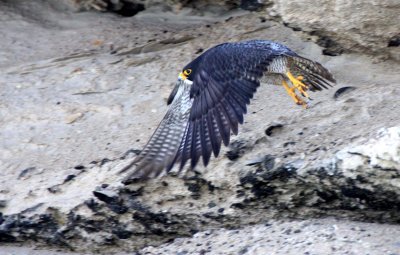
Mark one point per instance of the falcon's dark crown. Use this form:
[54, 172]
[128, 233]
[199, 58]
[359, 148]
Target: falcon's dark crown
[190, 69]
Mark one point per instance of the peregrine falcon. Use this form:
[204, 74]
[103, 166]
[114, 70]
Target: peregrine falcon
[210, 98]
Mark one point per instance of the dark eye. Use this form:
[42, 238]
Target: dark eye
[187, 72]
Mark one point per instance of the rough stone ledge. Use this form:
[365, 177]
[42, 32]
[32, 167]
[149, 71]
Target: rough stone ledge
[341, 26]
[361, 182]
[373, 28]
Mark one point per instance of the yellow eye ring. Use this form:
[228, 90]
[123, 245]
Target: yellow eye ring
[187, 72]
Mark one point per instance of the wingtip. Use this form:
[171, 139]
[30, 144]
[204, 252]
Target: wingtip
[144, 172]
[129, 180]
[127, 167]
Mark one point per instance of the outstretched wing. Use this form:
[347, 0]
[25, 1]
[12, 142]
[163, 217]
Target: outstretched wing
[225, 81]
[162, 147]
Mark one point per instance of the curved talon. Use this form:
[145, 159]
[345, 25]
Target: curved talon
[300, 86]
[292, 93]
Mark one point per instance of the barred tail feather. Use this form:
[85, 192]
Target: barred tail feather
[314, 74]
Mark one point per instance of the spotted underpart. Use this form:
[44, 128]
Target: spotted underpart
[209, 101]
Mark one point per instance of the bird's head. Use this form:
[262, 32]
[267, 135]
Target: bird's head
[186, 74]
[189, 71]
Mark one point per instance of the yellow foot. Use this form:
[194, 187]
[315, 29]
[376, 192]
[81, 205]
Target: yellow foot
[300, 86]
[292, 93]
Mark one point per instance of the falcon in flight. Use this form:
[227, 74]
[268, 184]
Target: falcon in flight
[210, 99]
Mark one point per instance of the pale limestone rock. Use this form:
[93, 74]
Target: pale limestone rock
[383, 152]
[364, 26]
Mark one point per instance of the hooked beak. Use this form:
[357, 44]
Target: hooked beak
[182, 76]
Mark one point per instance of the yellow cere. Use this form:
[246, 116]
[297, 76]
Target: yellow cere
[182, 76]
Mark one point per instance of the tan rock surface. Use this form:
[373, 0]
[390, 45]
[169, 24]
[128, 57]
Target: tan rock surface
[363, 26]
[78, 101]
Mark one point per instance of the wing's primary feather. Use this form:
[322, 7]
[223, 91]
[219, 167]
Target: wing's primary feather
[223, 85]
[161, 149]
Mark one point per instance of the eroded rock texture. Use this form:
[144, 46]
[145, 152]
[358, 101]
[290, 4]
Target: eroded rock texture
[337, 26]
[360, 182]
[364, 26]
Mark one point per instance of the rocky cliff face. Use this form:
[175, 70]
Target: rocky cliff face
[80, 101]
[339, 26]
[360, 182]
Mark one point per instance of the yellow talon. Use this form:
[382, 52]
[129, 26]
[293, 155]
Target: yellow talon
[293, 95]
[300, 86]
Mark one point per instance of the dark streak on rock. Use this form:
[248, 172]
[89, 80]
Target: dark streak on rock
[122, 233]
[14, 228]
[251, 5]
[268, 163]
[92, 205]
[70, 177]
[198, 186]
[294, 28]
[394, 41]
[271, 130]
[342, 91]
[228, 19]
[26, 172]
[371, 199]
[262, 183]
[237, 149]
[332, 48]
[3, 203]
[124, 8]
[156, 223]
[104, 161]
[113, 201]
[54, 189]
[79, 167]
[286, 144]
